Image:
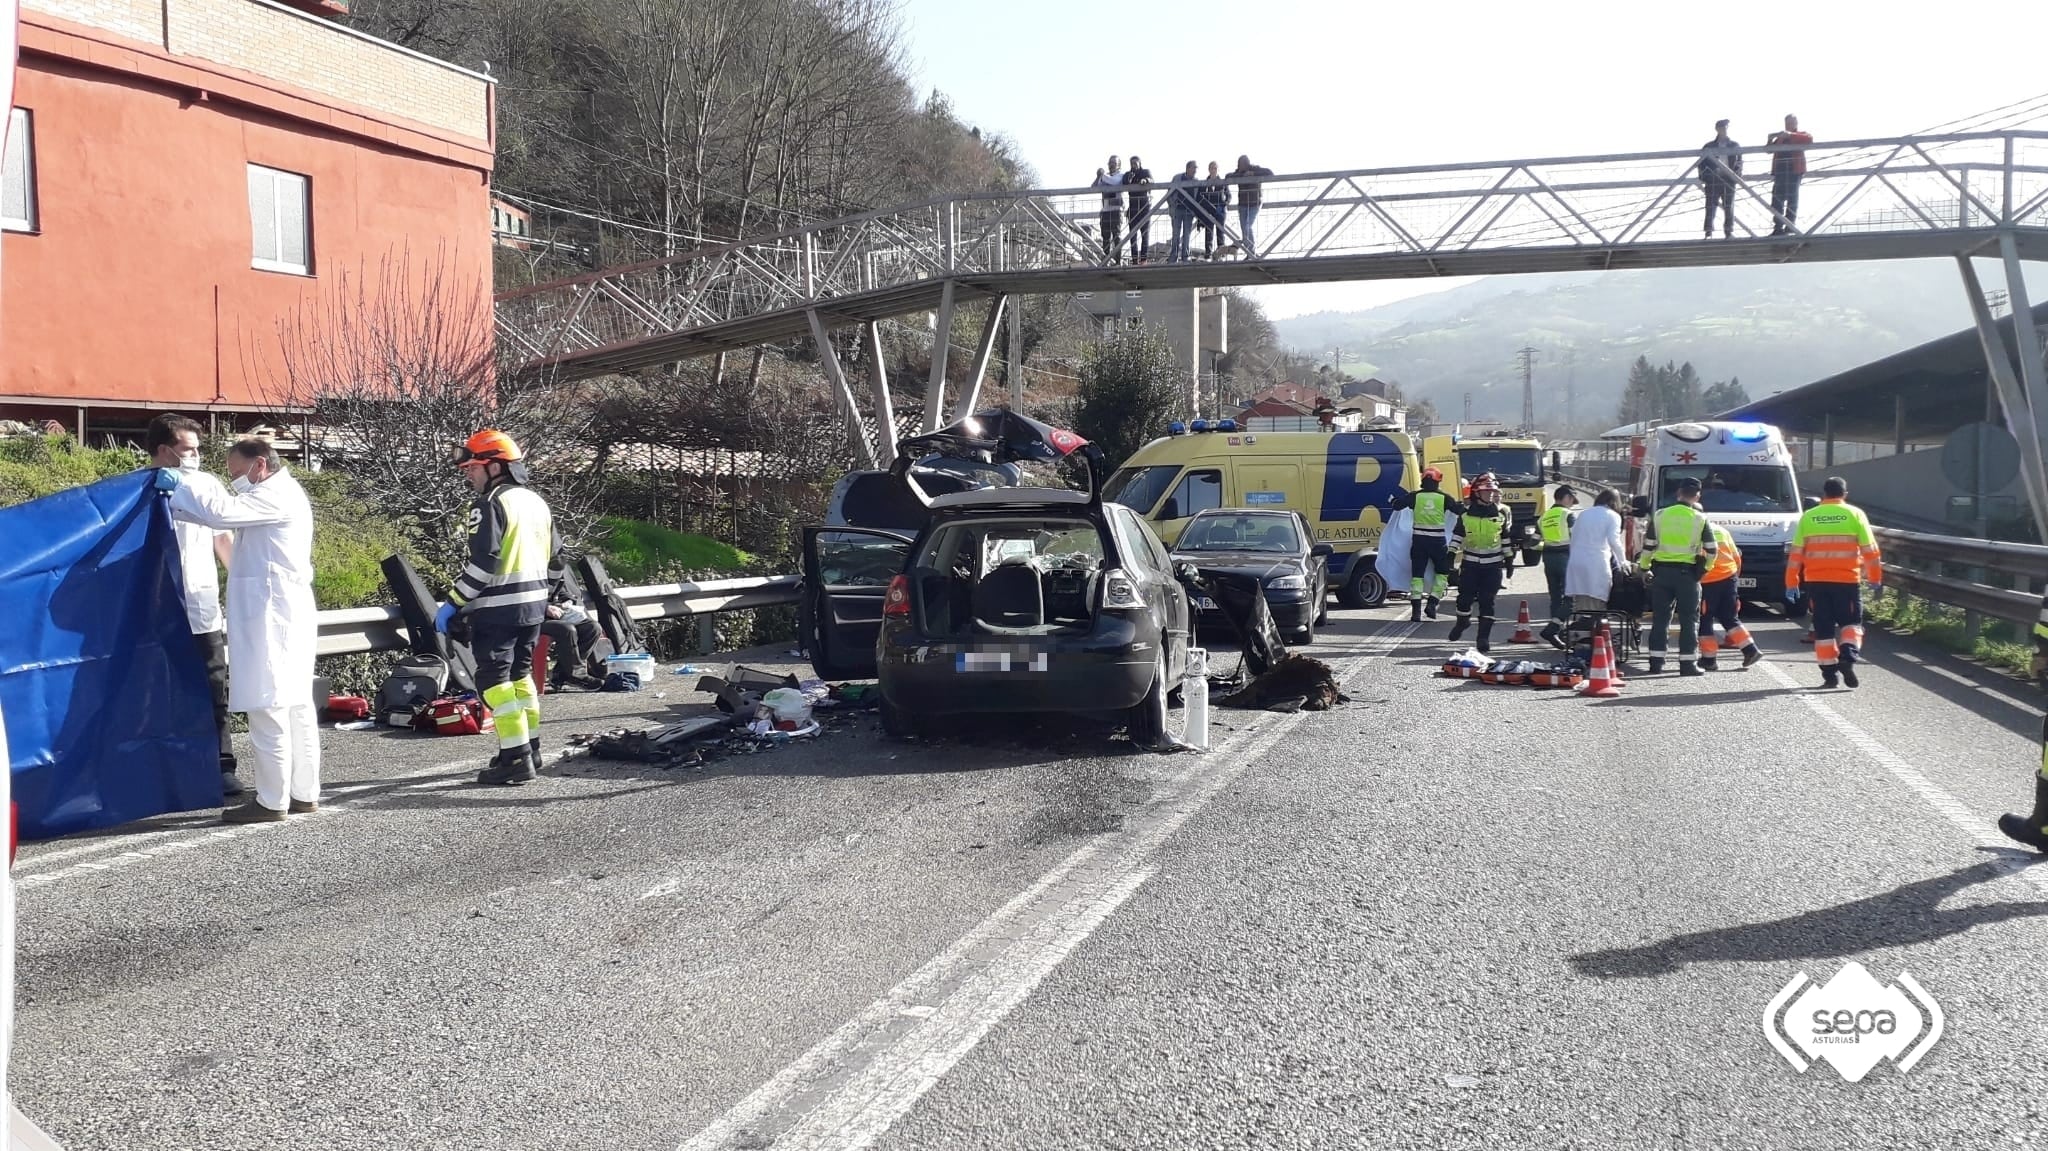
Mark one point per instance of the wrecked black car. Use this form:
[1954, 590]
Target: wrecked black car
[1271, 546]
[1009, 598]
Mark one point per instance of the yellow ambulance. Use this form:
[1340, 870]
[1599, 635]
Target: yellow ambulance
[1341, 482]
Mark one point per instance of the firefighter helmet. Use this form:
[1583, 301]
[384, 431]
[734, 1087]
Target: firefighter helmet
[487, 446]
[1487, 482]
[1436, 474]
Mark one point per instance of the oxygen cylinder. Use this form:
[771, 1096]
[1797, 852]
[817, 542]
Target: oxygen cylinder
[1194, 694]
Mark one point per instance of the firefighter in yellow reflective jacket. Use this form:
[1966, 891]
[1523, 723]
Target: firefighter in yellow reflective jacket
[1720, 603]
[503, 593]
[1428, 545]
[1679, 547]
[2032, 829]
[1830, 549]
[1555, 529]
[1486, 557]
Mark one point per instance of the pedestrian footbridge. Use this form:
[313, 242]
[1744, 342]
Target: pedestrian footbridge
[1900, 198]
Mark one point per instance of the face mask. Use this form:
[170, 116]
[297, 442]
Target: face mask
[189, 463]
[243, 485]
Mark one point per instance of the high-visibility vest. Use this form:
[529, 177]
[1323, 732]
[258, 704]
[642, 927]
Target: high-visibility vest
[1556, 529]
[1727, 557]
[512, 544]
[1483, 534]
[1830, 545]
[1430, 509]
[1678, 535]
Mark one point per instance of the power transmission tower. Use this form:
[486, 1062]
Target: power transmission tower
[1527, 359]
[1468, 407]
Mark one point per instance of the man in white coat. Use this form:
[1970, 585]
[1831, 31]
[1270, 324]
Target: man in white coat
[273, 631]
[173, 442]
[1597, 553]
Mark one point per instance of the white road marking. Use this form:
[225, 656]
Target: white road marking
[126, 850]
[1974, 827]
[846, 1091]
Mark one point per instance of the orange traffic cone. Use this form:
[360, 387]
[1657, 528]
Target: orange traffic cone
[1522, 632]
[1615, 661]
[1600, 679]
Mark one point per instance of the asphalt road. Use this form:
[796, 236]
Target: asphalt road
[1447, 915]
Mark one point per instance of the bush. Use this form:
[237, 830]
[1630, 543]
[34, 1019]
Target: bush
[32, 467]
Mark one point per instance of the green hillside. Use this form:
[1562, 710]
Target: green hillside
[1773, 327]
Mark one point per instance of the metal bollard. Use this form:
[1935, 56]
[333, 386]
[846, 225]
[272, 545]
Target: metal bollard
[1194, 696]
[707, 634]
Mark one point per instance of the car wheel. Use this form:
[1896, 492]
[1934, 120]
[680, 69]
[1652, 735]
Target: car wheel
[1306, 636]
[1365, 588]
[1146, 721]
[897, 723]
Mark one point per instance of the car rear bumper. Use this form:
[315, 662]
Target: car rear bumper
[1099, 672]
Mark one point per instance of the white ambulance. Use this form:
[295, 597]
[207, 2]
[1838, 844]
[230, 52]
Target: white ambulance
[1747, 485]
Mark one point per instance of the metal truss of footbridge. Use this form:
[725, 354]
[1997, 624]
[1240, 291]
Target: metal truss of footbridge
[1962, 195]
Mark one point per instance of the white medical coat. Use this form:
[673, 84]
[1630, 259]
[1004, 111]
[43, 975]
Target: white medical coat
[273, 626]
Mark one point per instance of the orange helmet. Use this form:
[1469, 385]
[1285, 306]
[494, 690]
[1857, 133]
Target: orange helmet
[1436, 474]
[489, 444]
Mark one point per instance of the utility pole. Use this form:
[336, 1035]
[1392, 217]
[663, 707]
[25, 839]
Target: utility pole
[1527, 359]
[1571, 380]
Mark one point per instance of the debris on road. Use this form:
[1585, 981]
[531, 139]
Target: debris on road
[1295, 682]
[740, 693]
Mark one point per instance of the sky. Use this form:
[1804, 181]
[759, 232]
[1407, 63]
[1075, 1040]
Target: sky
[1322, 85]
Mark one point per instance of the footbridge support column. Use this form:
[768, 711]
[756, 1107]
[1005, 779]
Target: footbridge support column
[828, 358]
[984, 350]
[942, 348]
[885, 405]
[2021, 400]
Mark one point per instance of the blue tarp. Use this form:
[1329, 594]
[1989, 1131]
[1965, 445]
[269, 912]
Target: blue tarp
[108, 714]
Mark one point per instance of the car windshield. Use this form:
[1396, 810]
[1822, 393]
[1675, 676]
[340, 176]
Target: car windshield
[1240, 533]
[1734, 487]
[1139, 489]
[1509, 465]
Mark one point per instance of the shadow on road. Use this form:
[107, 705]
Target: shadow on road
[1691, 699]
[1905, 915]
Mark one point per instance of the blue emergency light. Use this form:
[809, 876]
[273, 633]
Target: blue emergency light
[1748, 433]
[1199, 426]
[1227, 426]
[1176, 428]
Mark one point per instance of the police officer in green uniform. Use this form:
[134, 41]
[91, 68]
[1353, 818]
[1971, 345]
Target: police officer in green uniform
[1427, 547]
[1555, 528]
[1679, 547]
[2032, 829]
[1486, 557]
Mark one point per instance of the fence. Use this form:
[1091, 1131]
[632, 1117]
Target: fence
[1986, 578]
[348, 631]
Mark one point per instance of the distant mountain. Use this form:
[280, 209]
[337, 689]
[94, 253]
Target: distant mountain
[1773, 327]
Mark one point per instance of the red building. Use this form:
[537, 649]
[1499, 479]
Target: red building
[182, 174]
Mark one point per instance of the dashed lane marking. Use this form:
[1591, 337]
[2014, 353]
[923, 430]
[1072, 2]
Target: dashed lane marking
[1973, 826]
[846, 1091]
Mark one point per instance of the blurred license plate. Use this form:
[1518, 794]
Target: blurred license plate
[1205, 603]
[1745, 581]
[1000, 661]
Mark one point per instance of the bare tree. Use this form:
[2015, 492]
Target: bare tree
[395, 367]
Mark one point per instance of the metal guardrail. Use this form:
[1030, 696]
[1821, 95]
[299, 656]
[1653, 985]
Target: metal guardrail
[1914, 563]
[350, 631]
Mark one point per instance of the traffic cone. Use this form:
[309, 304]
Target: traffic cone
[1600, 678]
[1613, 663]
[1522, 632]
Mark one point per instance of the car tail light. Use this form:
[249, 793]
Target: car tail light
[1120, 591]
[896, 601]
